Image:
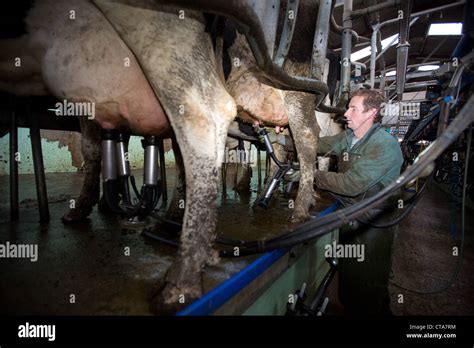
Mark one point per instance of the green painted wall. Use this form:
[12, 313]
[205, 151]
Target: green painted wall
[57, 158]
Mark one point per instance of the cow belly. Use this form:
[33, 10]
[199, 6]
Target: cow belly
[84, 60]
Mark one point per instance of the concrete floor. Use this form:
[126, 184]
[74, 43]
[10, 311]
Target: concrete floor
[423, 260]
[87, 259]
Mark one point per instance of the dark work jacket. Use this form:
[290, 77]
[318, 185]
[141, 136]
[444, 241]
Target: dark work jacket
[371, 164]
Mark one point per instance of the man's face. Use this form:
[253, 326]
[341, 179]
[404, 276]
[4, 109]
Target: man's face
[356, 116]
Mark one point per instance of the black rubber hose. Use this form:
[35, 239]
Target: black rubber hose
[415, 198]
[134, 186]
[111, 196]
[174, 244]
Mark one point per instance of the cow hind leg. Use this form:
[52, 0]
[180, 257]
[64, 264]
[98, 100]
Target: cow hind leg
[202, 170]
[89, 196]
[175, 210]
[305, 133]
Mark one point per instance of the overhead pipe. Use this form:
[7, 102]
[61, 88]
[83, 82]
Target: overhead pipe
[425, 12]
[381, 62]
[376, 8]
[416, 85]
[338, 29]
[346, 53]
[287, 33]
[373, 51]
[402, 48]
[437, 62]
[320, 42]
[413, 16]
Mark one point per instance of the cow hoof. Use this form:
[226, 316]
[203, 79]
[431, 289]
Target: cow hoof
[299, 218]
[168, 301]
[75, 215]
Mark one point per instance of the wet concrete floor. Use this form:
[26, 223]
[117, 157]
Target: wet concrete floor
[86, 263]
[424, 259]
[83, 268]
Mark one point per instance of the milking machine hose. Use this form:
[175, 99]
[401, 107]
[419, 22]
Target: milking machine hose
[411, 204]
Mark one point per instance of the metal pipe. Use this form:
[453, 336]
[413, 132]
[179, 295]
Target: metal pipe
[413, 85]
[373, 58]
[436, 9]
[346, 51]
[320, 42]
[150, 167]
[413, 75]
[416, 65]
[334, 25]
[109, 159]
[287, 33]
[421, 13]
[355, 36]
[267, 12]
[375, 8]
[38, 165]
[382, 60]
[122, 155]
[373, 52]
[402, 48]
[14, 201]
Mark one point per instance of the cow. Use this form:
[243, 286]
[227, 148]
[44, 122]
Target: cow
[151, 71]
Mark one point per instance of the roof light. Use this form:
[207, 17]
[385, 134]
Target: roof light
[365, 52]
[445, 29]
[428, 67]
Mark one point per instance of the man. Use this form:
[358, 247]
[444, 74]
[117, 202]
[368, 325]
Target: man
[369, 159]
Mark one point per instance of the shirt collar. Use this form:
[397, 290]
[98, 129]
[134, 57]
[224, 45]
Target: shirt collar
[367, 135]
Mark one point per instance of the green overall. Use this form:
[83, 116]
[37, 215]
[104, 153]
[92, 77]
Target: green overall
[363, 170]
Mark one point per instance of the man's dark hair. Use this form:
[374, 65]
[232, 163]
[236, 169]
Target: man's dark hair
[373, 98]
